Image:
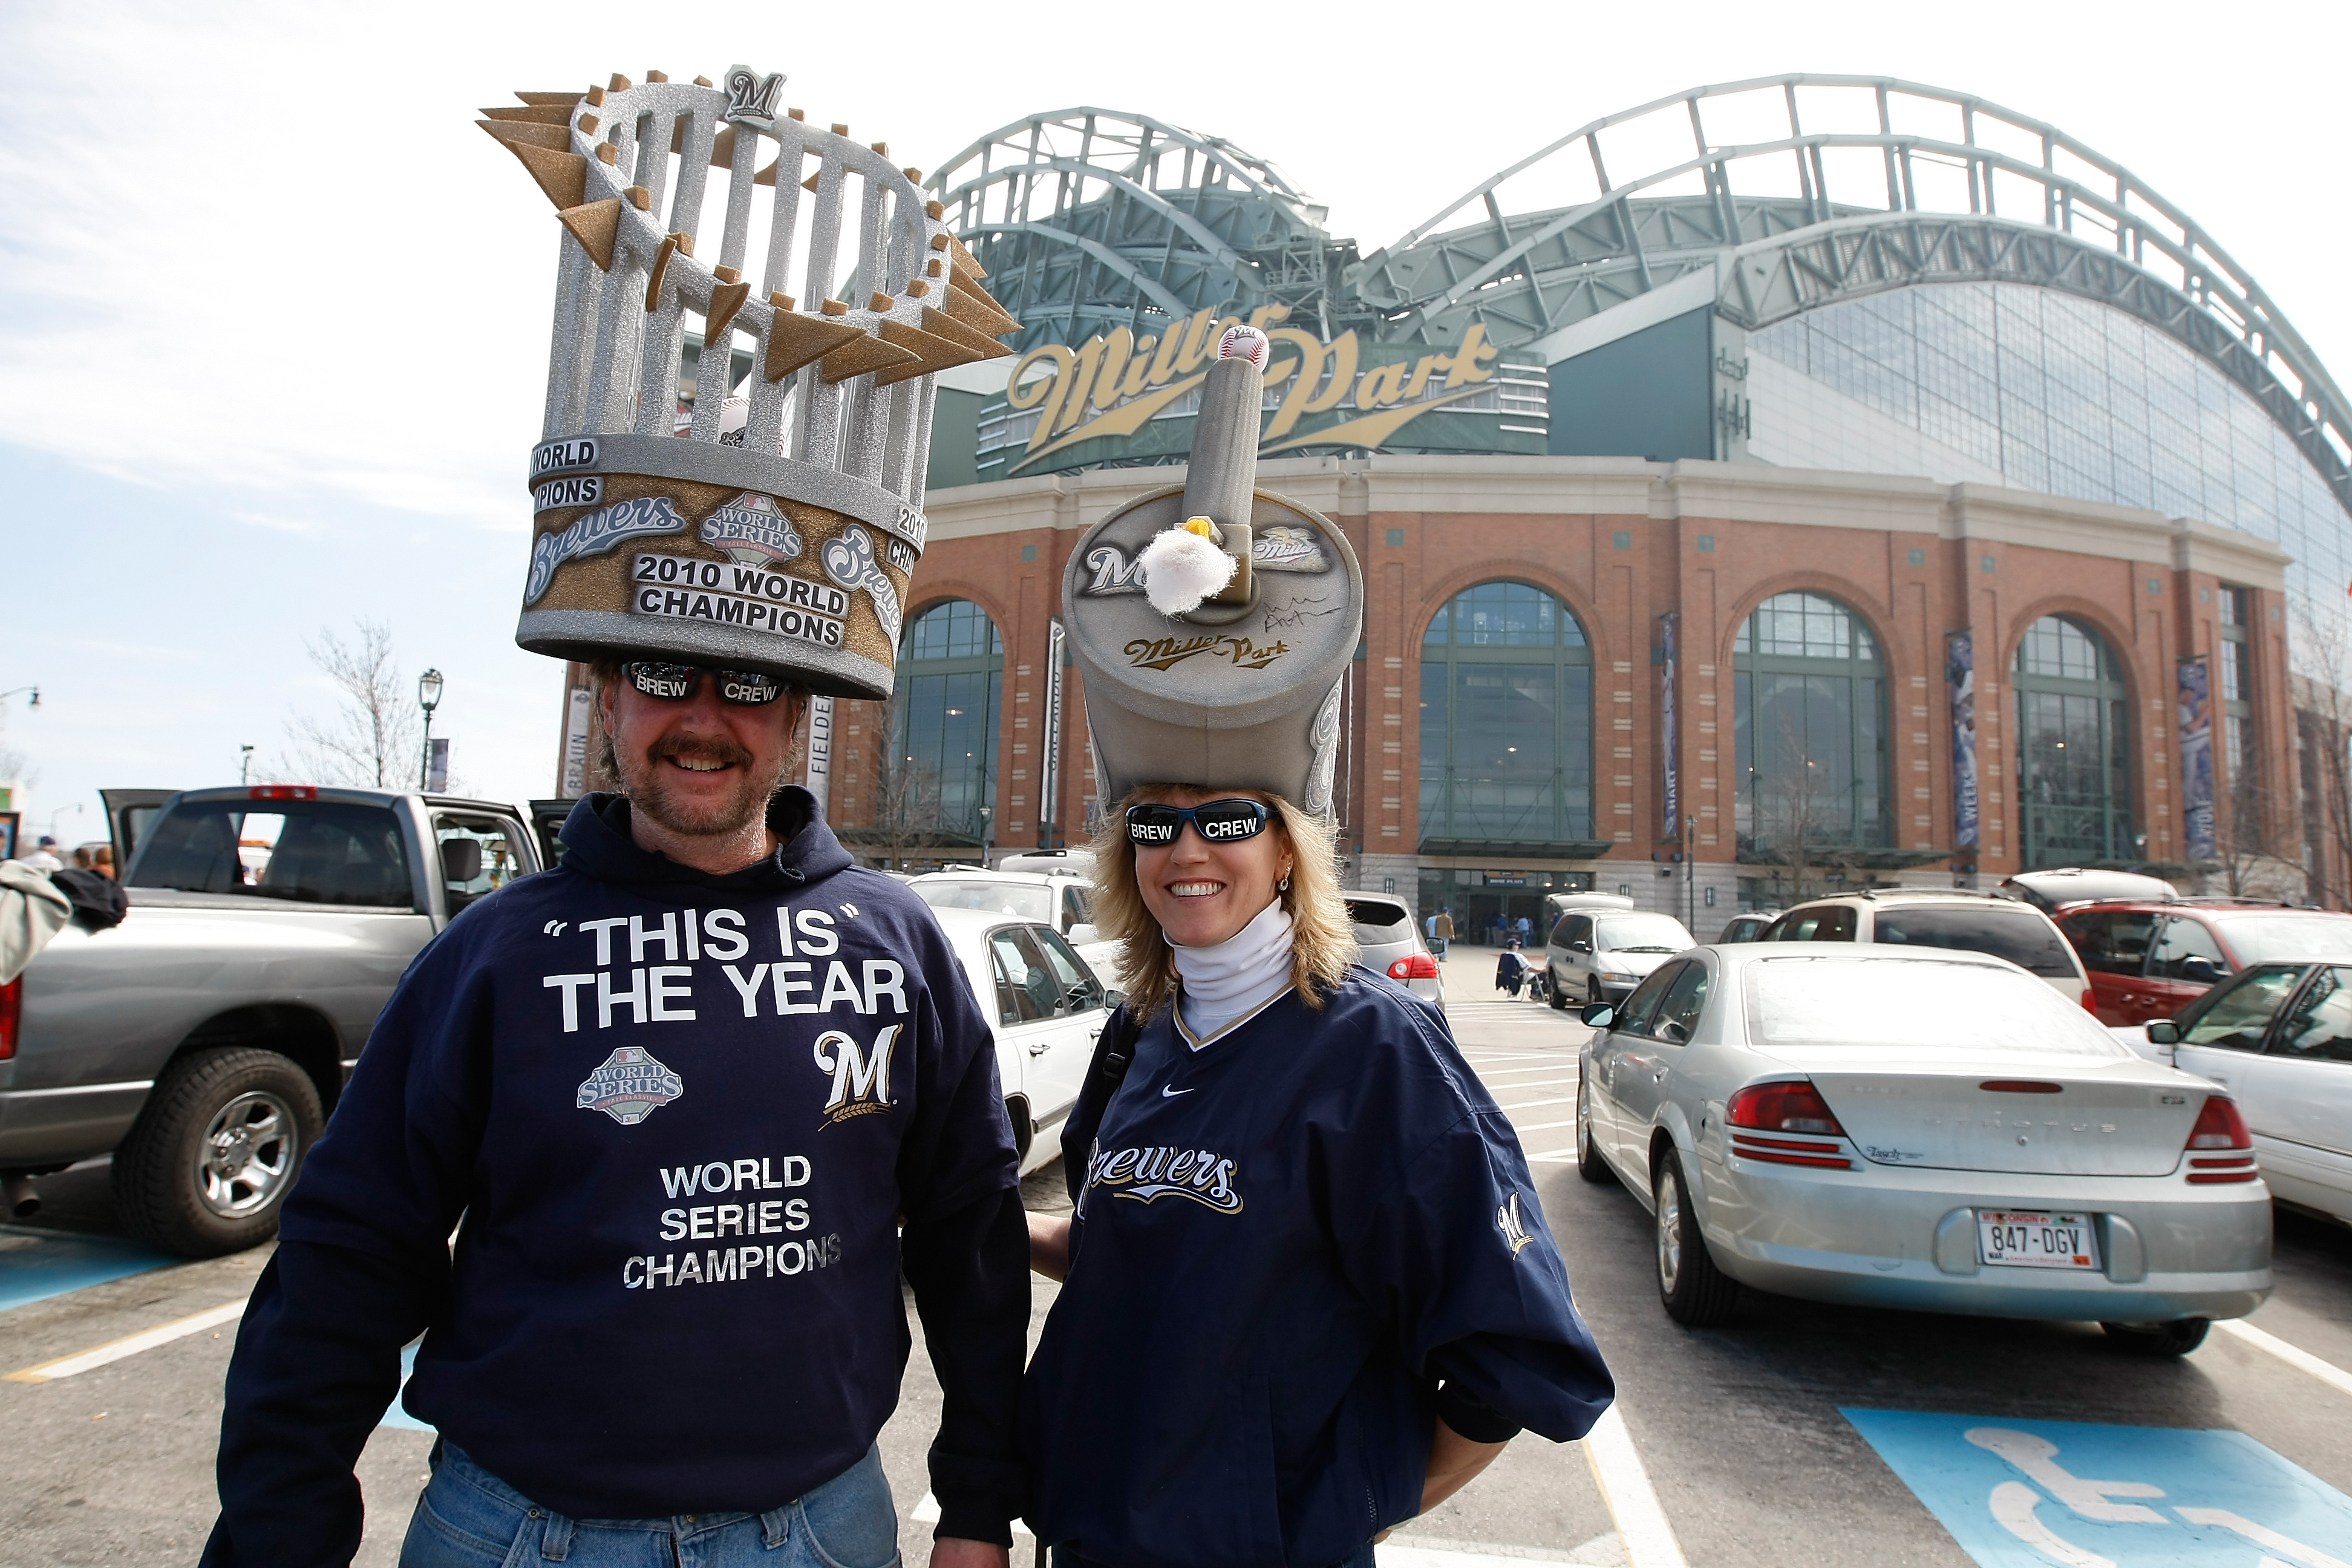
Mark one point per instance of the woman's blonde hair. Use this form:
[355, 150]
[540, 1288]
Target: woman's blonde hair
[1322, 934]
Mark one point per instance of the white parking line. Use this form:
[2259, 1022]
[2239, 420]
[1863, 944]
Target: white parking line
[84, 1360]
[1532, 1104]
[2327, 1372]
[1642, 1527]
[1540, 1126]
[928, 1512]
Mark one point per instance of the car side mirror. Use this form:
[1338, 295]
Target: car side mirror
[2201, 970]
[1580, 945]
[1081, 933]
[1599, 1015]
[2163, 1032]
[1114, 998]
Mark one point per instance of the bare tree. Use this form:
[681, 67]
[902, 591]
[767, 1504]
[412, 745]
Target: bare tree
[2322, 710]
[907, 797]
[370, 737]
[1792, 811]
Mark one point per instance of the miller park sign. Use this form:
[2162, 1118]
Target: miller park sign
[1124, 397]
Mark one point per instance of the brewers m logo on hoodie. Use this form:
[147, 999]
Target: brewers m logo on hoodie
[861, 1079]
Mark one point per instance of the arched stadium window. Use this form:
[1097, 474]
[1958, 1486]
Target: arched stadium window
[1506, 722]
[2073, 793]
[1809, 723]
[942, 784]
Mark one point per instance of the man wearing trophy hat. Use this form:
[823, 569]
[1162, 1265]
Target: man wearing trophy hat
[692, 1100]
[1309, 1293]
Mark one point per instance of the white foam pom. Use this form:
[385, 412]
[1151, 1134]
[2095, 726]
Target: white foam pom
[1180, 570]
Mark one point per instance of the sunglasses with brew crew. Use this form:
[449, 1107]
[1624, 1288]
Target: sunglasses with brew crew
[677, 682]
[1217, 821]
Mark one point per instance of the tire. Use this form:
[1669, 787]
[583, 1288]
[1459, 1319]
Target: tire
[2176, 1338]
[1694, 1292]
[1589, 1162]
[1593, 994]
[1553, 993]
[219, 1144]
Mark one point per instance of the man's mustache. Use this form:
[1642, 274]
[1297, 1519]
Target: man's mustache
[718, 749]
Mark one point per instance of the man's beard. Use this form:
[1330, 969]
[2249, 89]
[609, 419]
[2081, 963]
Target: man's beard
[646, 781]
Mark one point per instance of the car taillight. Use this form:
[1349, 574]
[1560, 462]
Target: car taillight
[282, 792]
[1420, 966]
[2220, 1128]
[12, 1003]
[1763, 1109]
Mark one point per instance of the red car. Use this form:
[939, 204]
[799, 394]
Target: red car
[2150, 960]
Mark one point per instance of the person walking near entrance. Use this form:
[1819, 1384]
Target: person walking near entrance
[1441, 929]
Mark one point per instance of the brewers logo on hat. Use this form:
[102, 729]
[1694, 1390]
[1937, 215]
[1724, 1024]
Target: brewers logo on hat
[776, 530]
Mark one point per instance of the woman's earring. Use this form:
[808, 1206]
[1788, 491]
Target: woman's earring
[1283, 886]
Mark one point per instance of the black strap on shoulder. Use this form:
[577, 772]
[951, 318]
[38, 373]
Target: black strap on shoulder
[1114, 1054]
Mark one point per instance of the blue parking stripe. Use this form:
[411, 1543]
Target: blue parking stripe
[394, 1415]
[36, 1265]
[2024, 1493]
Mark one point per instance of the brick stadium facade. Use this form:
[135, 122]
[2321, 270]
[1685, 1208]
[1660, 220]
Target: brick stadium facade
[1620, 544]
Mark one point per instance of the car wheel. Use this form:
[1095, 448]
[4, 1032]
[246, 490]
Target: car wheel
[1589, 1163]
[208, 1163]
[1594, 995]
[1694, 1292]
[1553, 993]
[2176, 1338]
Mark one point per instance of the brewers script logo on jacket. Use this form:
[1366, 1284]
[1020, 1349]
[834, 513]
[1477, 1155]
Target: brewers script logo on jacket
[1147, 1175]
[631, 1086]
[1513, 1228]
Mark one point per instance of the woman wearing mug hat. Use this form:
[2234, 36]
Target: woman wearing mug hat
[1308, 1290]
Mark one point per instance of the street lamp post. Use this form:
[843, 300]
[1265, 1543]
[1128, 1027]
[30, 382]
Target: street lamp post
[244, 764]
[20, 690]
[428, 697]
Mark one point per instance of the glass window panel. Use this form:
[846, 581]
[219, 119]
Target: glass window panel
[1808, 727]
[1506, 719]
[942, 778]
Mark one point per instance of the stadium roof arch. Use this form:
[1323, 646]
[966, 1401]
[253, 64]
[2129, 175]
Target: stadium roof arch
[1797, 191]
[1088, 219]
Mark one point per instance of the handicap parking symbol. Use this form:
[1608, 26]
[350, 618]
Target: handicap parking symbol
[2019, 1493]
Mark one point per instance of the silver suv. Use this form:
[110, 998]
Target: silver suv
[1601, 954]
[1972, 922]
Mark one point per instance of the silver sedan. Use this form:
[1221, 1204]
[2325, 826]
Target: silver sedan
[1935, 1130]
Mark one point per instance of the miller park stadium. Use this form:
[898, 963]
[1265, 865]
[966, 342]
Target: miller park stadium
[1809, 481]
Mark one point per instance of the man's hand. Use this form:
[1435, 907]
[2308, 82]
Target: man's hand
[949, 1552]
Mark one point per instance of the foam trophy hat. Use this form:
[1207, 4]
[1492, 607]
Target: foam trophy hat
[1213, 623]
[777, 530]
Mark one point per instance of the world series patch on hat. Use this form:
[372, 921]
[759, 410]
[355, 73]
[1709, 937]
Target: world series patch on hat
[726, 477]
[1214, 623]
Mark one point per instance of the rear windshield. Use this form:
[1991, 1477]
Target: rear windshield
[1379, 924]
[1909, 1003]
[317, 852]
[2288, 939]
[2026, 939]
[1024, 900]
[1643, 933]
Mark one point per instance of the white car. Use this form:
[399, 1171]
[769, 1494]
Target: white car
[2278, 1037]
[1944, 917]
[1048, 1007]
[1058, 898]
[1930, 1130]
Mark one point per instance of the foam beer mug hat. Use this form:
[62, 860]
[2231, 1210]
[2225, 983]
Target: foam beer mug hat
[1213, 622]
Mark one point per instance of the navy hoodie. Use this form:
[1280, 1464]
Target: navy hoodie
[1295, 1246]
[681, 1117]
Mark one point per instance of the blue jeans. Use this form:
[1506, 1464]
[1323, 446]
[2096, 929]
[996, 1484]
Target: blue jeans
[468, 1518]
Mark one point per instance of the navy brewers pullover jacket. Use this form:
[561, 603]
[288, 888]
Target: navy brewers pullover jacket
[1296, 1246]
[682, 1116]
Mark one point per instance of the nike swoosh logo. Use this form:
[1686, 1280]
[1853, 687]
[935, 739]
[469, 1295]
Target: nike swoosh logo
[1167, 1094]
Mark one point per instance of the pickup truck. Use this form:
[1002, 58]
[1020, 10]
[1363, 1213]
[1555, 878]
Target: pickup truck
[204, 1040]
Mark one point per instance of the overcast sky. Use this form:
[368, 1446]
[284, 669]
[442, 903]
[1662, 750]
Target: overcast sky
[275, 325]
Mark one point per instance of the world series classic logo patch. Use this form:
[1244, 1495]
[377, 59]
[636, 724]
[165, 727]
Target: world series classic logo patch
[631, 1086]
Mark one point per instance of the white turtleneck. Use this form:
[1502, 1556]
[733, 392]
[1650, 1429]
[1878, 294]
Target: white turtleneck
[1232, 979]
